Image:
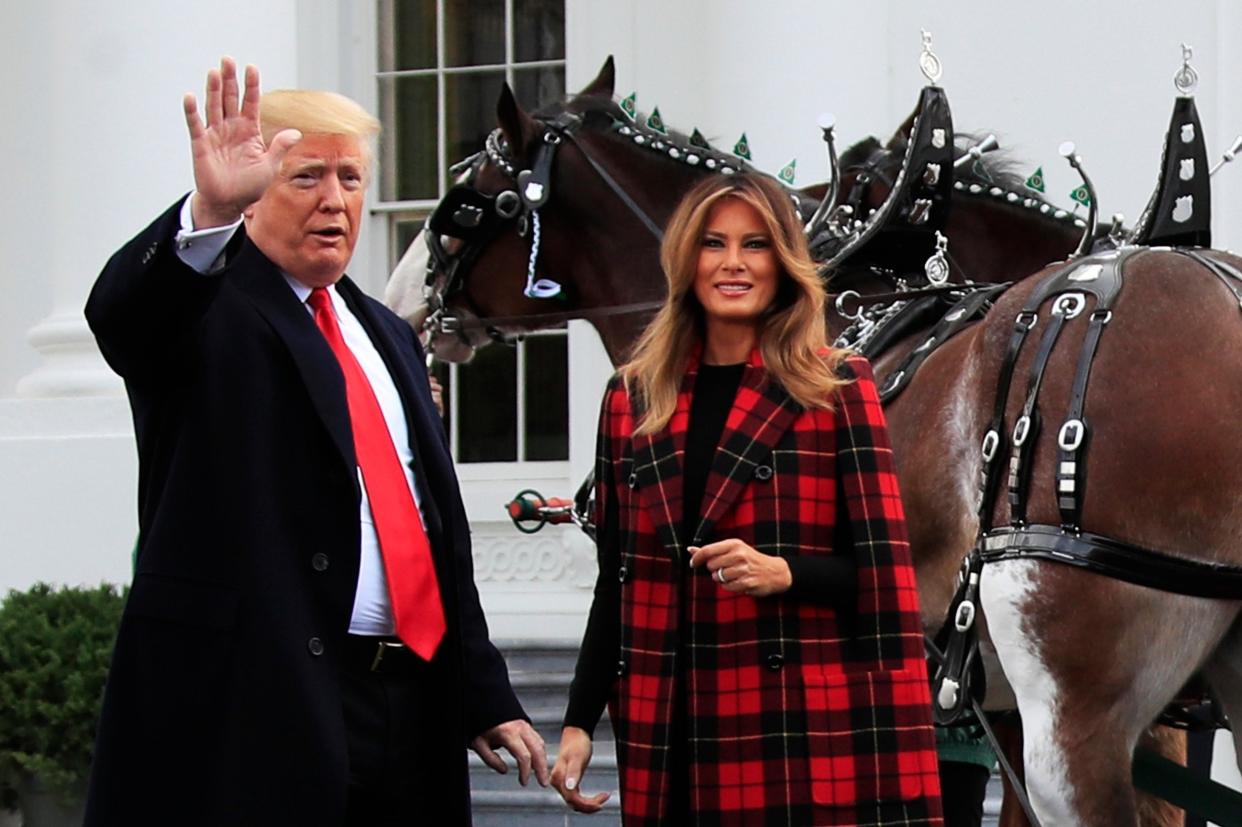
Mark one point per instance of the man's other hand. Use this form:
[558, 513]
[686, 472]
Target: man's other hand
[523, 743]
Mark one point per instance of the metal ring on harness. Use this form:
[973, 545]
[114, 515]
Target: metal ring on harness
[508, 204]
[1069, 305]
[841, 306]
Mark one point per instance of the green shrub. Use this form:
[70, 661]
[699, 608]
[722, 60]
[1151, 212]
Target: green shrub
[55, 646]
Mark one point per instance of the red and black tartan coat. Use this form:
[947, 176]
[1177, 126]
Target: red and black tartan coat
[797, 713]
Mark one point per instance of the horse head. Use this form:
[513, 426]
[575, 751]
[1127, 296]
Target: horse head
[541, 218]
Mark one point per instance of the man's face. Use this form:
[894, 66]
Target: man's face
[308, 219]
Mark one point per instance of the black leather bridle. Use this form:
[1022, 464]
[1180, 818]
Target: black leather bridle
[473, 219]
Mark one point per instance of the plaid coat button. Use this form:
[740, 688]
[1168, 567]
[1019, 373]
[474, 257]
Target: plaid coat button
[775, 661]
[632, 482]
[763, 472]
[621, 667]
[622, 574]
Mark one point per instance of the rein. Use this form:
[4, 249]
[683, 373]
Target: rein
[455, 324]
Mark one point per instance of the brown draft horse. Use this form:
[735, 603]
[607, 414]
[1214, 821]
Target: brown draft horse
[1090, 660]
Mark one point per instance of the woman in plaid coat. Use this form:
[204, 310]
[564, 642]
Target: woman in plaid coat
[755, 628]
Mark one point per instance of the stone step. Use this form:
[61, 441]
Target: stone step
[542, 809]
[524, 655]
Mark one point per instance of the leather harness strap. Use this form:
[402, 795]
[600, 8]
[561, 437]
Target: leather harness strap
[1114, 558]
[964, 312]
[1223, 270]
[1026, 429]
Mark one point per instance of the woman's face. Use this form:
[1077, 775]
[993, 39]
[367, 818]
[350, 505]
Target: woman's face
[738, 270]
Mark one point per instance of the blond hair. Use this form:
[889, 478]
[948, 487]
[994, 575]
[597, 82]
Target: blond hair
[793, 336]
[316, 113]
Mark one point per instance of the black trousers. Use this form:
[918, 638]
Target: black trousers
[397, 757]
[963, 787]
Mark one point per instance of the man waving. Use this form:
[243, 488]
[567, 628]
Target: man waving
[303, 642]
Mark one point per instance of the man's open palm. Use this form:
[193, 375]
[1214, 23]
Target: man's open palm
[232, 167]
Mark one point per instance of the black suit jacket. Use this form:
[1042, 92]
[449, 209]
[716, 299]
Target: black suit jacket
[218, 708]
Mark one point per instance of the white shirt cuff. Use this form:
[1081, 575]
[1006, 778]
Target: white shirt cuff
[202, 250]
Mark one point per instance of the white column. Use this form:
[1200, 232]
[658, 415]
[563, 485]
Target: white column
[104, 145]
[96, 147]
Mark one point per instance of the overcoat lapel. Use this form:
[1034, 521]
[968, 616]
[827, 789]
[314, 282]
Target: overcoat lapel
[761, 414]
[316, 364]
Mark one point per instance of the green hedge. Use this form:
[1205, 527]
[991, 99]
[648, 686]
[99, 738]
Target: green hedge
[55, 646]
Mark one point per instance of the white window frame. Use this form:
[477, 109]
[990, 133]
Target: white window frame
[392, 212]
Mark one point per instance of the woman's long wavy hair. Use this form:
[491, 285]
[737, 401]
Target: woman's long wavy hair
[793, 337]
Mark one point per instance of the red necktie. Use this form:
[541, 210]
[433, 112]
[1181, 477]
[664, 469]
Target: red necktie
[412, 586]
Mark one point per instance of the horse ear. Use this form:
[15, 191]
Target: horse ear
[604, 82]
[516, 125]
[902, 136]
[858, 153]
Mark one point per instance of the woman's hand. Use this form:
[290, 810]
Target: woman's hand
[739, 568]
[571, 762]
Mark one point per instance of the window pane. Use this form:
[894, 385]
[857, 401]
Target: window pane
[408, 107]
[539, 30]
[414, 34]
[474, 32]
[470, 111]
[404, 233]
[536, 87]
[547, 398]
[487, 406]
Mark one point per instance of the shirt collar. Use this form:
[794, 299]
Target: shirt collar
[303, 292]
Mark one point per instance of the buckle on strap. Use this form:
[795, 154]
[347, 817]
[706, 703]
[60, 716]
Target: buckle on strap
[1069, 438]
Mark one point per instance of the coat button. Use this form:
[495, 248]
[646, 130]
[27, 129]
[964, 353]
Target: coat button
[775, 662]
[315, 646]
[621, 667]
[633, 481]
[763, 472]
[319, 562]
[622, 574]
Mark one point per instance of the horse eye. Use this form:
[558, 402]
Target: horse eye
[508, 204]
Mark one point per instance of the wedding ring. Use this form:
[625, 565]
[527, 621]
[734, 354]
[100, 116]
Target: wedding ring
[720, 578]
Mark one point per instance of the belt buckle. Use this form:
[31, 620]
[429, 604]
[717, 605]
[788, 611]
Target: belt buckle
[382, 647]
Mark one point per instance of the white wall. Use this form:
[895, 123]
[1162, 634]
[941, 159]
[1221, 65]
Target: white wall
[95, 140]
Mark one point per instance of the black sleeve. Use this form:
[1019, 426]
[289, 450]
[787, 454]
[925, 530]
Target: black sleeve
[829, 580]
[601, 644]
[146, 305]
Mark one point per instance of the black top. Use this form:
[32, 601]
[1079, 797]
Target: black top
[715, 386]
[816, 579]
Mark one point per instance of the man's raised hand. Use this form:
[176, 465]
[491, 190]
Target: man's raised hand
[232, 167]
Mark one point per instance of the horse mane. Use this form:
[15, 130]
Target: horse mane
[599, 107]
